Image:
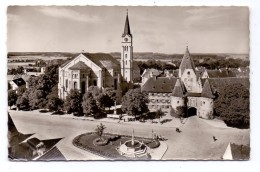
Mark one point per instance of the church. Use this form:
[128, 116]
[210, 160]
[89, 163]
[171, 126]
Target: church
[100, 69]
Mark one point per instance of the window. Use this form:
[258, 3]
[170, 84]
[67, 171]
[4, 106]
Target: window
[75, 85]
[177, 101]
[203, 102]
[95, 82]
[83, 76]
[126, 56]
[66, 83]
[126, 62]
[188, 72]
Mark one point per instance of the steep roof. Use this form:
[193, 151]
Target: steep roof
[178, 89]
[79, 66]
[187, 62]
[19, 81]
[127, 27]
[206, 91]
[159, 85]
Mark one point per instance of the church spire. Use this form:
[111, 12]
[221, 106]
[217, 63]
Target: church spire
[127, 26]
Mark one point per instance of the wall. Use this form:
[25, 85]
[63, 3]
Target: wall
[159, 100]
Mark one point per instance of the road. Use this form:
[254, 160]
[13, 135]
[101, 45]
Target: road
[194, 142]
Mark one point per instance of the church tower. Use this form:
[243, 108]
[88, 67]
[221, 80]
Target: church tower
[127, 53]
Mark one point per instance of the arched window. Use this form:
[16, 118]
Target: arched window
[75, 85]
[126, 56]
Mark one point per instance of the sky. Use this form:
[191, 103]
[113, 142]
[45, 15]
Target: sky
[154, 29]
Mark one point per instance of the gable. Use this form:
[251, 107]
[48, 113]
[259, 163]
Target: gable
[81, 58]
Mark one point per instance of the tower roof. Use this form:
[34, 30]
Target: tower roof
[206, 91]
[127, 27]
[187, 62]
[178, 89]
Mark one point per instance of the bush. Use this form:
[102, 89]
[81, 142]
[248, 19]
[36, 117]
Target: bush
[179, 112]
[154, 144]
[58, 113]
[43, 111]
[166, 120]
[100, 142]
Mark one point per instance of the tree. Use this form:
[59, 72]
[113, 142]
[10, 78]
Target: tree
[134, 102]
[73, 102]
[100, 130]
[20, 70]
[90, 105]
[110, 97]
[159, 113]
[22, 102]
[54, 104]
[12, 98]
[232, 105]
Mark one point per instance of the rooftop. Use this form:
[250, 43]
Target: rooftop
[159, 84]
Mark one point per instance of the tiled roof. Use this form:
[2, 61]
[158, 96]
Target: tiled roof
[193, 94]
[178, 89]
[52, 155]
[103, 60]
[206, 91]
[220, 73]
[219, 83]
[79, 66]
[159, 84]
[240, 152]
[148, 72]
[19, 81]
[187, 62]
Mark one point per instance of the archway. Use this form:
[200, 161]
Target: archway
[192, 111]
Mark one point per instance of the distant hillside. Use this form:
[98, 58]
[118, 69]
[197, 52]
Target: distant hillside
[140, 56]
[160, 56]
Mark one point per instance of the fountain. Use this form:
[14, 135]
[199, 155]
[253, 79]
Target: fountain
[132, 148]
